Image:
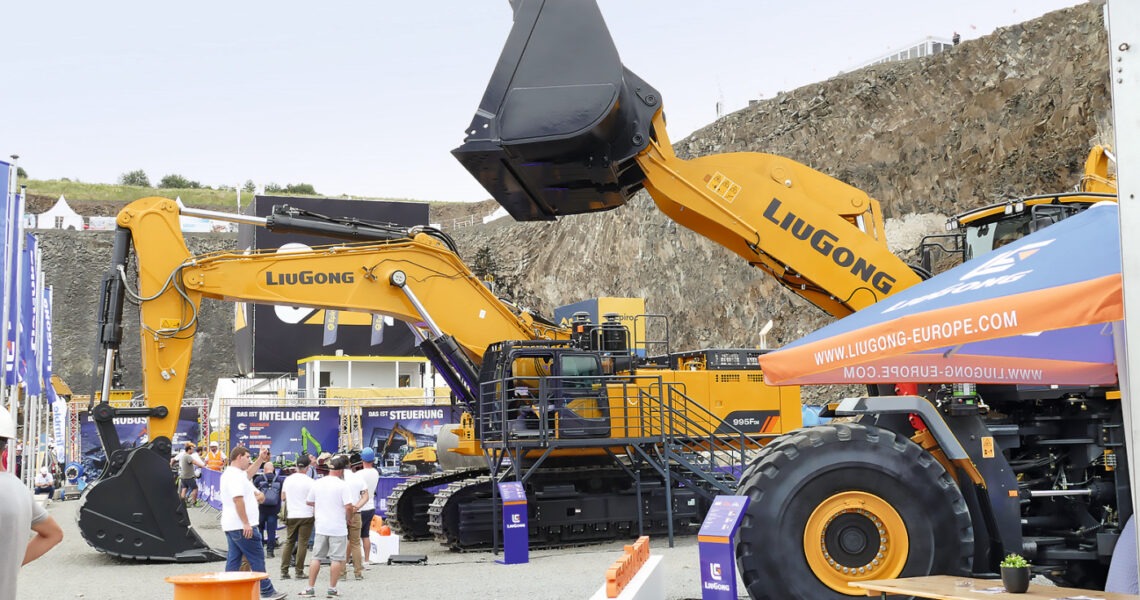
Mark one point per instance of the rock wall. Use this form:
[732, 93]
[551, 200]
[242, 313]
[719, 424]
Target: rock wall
[1010, 114]
[74, 263]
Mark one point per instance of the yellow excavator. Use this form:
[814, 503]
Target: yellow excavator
[928, 483]
[477, 342]
[414, 459]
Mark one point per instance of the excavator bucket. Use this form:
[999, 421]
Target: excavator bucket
[562, 119]
[135, 512]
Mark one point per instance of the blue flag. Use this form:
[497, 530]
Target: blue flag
[46, 346]
[16, 272]
[26, 350]
[332, 320]
[34, 315]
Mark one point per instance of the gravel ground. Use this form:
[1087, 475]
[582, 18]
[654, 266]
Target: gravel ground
[75, 570]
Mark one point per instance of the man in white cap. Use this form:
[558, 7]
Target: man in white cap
[45, 483]
[18, 514]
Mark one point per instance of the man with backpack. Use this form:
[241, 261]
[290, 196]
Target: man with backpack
[269, 484]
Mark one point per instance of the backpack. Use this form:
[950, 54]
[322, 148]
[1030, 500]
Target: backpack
[272, 490]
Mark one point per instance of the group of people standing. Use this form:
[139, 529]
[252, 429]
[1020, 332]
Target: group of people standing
[190, 463]
[336, 509]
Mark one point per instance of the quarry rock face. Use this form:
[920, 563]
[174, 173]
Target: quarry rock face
[1010, 114]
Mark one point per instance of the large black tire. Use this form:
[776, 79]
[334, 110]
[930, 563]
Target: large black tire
[859, 490]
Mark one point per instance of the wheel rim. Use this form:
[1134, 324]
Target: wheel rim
[855, 536]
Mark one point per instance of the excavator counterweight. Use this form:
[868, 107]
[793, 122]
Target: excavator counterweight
[561, 120]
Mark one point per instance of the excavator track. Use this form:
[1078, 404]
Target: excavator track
[566, 507]
[408, 503]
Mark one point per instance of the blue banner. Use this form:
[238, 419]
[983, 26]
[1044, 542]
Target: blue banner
[210, 488]
[30, 371]
[286, 431]
[395, 432]
[132, 432]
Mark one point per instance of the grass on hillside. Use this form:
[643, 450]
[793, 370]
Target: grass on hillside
[74, 191]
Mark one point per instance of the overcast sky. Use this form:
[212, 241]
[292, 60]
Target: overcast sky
[368, 99]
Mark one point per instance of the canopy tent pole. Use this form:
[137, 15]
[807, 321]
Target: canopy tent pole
[1123, 17]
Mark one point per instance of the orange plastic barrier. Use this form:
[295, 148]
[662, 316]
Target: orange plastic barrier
[235, 585]
[622, 571]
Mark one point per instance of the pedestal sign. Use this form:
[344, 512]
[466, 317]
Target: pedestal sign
[718, 562]
[516, 536]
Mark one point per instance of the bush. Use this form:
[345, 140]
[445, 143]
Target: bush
[21, 173]
[178, 182]
[136, 178]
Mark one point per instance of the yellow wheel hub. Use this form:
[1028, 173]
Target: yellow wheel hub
[855, 536]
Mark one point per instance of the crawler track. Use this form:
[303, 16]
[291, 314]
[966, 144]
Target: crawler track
[408, 503]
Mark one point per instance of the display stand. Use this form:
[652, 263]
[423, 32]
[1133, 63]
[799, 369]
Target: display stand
[516, 532]
[718, 562]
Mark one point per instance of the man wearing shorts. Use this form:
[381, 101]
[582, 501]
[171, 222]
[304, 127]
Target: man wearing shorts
[187, 477]
[333, 505]
[371, 479]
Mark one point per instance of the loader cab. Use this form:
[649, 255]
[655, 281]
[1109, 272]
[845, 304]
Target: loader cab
[991, 227]
[546, 390]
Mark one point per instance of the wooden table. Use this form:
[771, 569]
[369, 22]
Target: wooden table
[947, 587]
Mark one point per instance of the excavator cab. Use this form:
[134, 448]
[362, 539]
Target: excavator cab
[562, 119]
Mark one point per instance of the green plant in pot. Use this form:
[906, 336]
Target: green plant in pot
[1015, 574]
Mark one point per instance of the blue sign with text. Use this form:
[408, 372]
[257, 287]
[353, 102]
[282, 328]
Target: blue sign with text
[516, 532]
[286, 431]
[718, 562]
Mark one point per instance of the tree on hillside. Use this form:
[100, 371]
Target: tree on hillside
[178, 182]
[304, 189]
[21, 173]
[249, 186]
[136, 178]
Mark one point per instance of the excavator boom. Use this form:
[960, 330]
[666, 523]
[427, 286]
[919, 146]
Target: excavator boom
[413, 276]
[564, 128]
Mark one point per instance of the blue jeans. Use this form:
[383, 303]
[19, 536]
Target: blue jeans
[238, 546]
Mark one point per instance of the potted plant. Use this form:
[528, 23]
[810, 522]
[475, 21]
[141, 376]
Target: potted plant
[1015, 574]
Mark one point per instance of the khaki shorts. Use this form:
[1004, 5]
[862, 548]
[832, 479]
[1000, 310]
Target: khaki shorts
[332, 547]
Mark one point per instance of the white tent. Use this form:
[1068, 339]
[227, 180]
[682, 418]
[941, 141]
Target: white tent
[60, 216]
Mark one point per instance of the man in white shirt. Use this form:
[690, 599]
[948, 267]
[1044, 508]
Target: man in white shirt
[298, 518]
[239, 513]
[333, 504]
[355, 485]
[20, 516]
[371, 479]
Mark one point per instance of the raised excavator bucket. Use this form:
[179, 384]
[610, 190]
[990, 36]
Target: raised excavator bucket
[562, 119]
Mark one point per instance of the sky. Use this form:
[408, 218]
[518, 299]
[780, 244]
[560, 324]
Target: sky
[368, 99]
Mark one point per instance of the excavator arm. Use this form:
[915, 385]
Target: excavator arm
[410, 275]
[564, 128]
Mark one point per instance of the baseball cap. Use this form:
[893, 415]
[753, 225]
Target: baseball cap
[338, 463]
[368, 455]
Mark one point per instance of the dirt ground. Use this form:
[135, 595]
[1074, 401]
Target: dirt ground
[75, 570]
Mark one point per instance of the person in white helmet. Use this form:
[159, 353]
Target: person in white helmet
[19, 513]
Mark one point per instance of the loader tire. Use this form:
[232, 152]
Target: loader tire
[848, 502]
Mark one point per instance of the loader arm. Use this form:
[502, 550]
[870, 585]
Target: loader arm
[564, 128]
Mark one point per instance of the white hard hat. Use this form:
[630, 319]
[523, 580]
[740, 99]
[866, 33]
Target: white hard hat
[7, 425]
